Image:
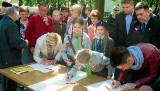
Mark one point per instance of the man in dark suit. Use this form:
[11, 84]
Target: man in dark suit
[146, 29]
[10, 45]
[122, 22]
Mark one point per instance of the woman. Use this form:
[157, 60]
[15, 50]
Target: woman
[48, 49]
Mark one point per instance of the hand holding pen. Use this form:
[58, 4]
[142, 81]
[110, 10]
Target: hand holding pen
[68, 77]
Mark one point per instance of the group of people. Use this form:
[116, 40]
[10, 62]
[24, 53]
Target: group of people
[127, 43]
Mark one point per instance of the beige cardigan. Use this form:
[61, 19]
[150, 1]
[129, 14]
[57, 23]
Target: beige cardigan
[40, 50]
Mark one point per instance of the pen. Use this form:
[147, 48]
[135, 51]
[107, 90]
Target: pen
[48, 69]
[67, 76]
[70, 82]
[107, 87]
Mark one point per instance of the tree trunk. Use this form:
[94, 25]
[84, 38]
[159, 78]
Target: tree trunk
[101, 7]
[20, 2]
[73, 2]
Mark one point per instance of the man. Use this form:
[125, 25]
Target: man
[10, 46]
[141, 61]
[122, 22]
[146, 29]
[38, 25]
[2, 10]
[88, 18]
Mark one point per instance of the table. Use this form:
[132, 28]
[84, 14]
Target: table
[33, 77]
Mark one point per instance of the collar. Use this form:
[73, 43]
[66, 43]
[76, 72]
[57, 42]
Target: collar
[147, 20]
[102, 37]
[131, 14]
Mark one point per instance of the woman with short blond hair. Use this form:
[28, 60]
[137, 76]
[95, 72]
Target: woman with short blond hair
[48, 49]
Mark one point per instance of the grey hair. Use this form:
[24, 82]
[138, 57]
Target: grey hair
[10, 11]
[55, 11]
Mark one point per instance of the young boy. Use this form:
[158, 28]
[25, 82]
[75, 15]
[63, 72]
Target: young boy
[141, 61]
[93, 62]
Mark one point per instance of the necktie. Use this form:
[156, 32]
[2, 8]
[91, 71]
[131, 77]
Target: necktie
[78, 44]
[98, 46]
[143, 26]
[88, 70]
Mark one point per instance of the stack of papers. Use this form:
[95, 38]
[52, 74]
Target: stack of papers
[57, 82]
[19, 70]
[43, 68]
[102, 86]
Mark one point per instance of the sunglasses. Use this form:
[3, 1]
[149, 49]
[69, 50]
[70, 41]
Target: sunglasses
[116, 10]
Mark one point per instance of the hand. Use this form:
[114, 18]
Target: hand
[128, 86]
[53, 62]
[26, 42]
[109, 77]
[45, 20]
[32, 50]
[116, 84]
[145, 88]
[69, 63]
[93, 67]
[69, 76]
[45, 61]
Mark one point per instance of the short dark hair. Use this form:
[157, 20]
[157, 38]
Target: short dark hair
[142, 5]
[44, 4]
[126, 1]
[119, 56]
[64, 8]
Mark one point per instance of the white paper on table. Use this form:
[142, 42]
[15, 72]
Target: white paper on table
[101, 86]
[56, 83]
[43, 68]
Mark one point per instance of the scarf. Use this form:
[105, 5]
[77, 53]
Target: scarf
[138, 57]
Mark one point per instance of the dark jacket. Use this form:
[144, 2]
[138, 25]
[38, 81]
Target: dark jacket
[151, 64]
[151, 34]
[119, 29]
[11, 43]
[109, 46]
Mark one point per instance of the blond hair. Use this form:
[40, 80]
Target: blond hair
[83, 56]
[53, 38]
[77, 8]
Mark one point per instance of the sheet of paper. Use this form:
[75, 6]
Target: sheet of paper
[43, 68]
[56, 83]
[102, 86]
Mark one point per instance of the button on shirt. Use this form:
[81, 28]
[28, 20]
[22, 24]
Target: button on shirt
[128, 22]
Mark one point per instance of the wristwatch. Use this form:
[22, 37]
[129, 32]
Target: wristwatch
[134, 85]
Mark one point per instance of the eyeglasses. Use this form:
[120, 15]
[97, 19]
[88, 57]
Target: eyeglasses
[116, 10]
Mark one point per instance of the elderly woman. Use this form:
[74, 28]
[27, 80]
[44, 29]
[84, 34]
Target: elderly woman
[48, 49]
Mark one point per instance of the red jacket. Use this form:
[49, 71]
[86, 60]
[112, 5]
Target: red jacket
[36, 27]
[151, 57]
